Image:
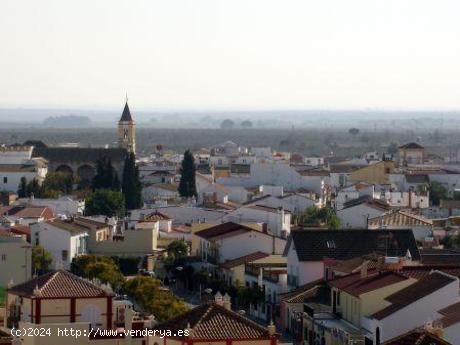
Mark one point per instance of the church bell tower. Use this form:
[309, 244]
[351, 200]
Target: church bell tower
[126, 130]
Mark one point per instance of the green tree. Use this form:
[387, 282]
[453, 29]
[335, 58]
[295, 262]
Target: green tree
[177, 249]
[353, 131]
[150, 295]
[187, 184]
[106, 176]
[41, 260]
[56, 183]
[437, 193]
[246, 124]
[319, 217]
[103, 268]
[131, 185]
[227, 124]
[105, 202]
[33, 188]
[22, 189]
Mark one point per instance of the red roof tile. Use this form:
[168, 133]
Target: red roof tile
[244, 259]
[355, 285]
[58, 284]
[212, 322]
[418, 337]
[223, 230]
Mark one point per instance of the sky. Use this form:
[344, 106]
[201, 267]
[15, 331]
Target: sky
[230, 54]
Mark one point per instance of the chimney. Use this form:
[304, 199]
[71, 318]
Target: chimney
[227, 302]
[364, 270]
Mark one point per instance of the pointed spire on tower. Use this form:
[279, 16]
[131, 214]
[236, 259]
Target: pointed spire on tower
[126, 115]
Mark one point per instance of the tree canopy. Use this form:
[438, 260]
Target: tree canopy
[41, 260]
[187, 184]
[246, 124]
[103, 268]
[153, 298]
[227, 124]
[437, 193]
[106, 176]
[177, 249]
[105, 202]
[324, 216]
[131, 185]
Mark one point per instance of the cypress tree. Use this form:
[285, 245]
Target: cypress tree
[106, 176]
[187, 184]
[131, 185]
[22, 191]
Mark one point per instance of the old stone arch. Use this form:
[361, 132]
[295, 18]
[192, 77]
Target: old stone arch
[64, 168]
[86, 172]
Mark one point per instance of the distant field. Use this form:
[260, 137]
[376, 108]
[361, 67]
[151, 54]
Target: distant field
[320, 141]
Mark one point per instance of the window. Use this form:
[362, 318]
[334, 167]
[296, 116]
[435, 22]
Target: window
[3, 257]
[65, 254]
[5, 179]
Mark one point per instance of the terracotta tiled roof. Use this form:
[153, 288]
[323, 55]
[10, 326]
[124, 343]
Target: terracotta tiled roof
[156, 216]
[224, 229]
[399, 218]
[213, 322]
[58, 284]
[69, 226]
[298, 295]
[417, 337]
[34, 212]
[419, 272]
[369, 201]
[424, 287]
[355, 285]
[244, 259]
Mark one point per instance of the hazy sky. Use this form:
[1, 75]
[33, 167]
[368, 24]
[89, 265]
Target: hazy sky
[205, 54]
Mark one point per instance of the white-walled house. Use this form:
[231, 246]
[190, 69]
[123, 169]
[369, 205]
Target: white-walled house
[64, 205]
[408, 199]
[15, 259]
[238, 194]
[159, 192]
[294, 203]
[230, 240]
[277, 175]
[412, 307]
[278, 220]
[63, 239]
[213, 193]
[16, 162]
[397, 219]
[307, 249]
[356, 213]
